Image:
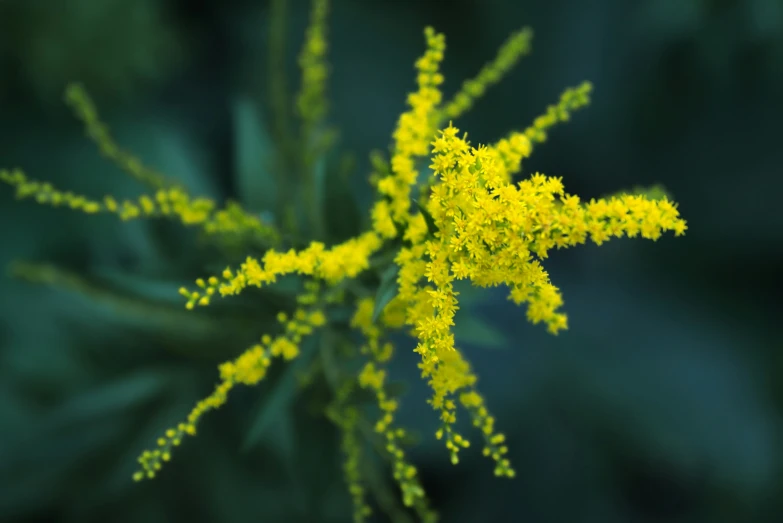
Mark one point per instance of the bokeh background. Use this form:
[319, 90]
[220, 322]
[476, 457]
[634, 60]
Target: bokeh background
[662, 403]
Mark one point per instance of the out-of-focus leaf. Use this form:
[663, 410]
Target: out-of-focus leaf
[474, 330]
[150, 305]
[53, 45]
[395, 389]
[257, 187]
[431, 227]
[386, 291]
[470, 296]
[340, 315]
[272, 407]
[110, 399]
[154, 289]
[318, 464]
[257, 482]
[172, 148]
[37, 459]
[342, 216]
[124, 464]
[386, 495]
[39, 470]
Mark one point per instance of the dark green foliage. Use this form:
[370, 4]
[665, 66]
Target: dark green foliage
[643, 392]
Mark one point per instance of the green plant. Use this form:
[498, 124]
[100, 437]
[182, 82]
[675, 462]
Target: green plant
[444, 211]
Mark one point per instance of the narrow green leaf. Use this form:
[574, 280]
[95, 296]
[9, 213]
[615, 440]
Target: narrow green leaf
[386, 291]
[431, 227]
[277, 401]
[393, 390]
[387, 498]
[111, 398]
[145, 305]
[380, 165]
[474, 330]
[252, 156]
[341, 214]
[316, 465]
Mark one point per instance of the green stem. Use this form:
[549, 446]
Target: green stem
[279, 104]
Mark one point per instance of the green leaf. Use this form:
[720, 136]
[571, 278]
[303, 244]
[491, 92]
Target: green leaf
[386, 291]
[476, 331]
[394, 390]
[111, 398]
[342, 217]
[318, 465]
[388, 498]
[380, 165]
[147, 305]
[252, 157]
[278, 401]
[431, 227]
[85, 422]
[470, 296]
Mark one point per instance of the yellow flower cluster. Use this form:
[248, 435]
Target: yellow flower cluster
[430, 310]
[487, 230]
[572, 99]
[347, 418]
[493, 232]
[311, 103]
[493, 441]
[345, 260]
[468, 221]
[172, 203]
[411, 140]
[169, 200]
[373, 378]
[248, 368]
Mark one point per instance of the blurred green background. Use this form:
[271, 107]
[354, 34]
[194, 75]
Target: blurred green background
[662, 403]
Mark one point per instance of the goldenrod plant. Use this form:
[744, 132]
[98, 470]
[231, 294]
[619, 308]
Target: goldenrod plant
[446, 210]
